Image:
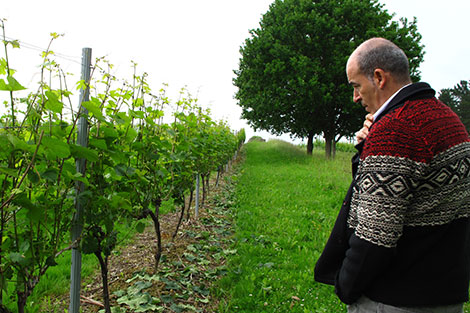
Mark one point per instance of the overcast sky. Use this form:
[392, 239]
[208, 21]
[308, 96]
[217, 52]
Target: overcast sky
[196, 43]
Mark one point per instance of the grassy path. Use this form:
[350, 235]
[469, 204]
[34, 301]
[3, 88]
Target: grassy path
[286, 205]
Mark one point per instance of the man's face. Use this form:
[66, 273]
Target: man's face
[366, 92]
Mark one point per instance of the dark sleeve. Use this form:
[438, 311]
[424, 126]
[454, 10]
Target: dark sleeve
[363, 262]
[332, 257]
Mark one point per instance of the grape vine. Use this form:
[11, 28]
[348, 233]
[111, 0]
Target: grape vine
[142, 150]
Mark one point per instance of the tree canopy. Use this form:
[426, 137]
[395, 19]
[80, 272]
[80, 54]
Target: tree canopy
[291, 77]
[458, 99]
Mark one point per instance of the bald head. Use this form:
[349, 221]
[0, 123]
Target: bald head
[380, 53]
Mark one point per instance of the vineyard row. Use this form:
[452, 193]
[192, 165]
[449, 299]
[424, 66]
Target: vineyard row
[140, 149]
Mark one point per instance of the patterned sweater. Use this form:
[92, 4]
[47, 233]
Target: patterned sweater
[404, 227]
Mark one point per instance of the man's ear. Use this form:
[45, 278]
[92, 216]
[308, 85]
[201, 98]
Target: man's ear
[380, 78]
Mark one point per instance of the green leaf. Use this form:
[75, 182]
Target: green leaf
[80, 152]
[13, 84]
[35, 213]
[139, 286]
[50, 175]
[16, 257]
[230, 251]
[171, 285]
[20, 144]
[15, 43]
[81, 84]
[166, 299]
[51, 261]
[24, 246]
[9, 171]
[122, 118]
[109, 132]
[89, 244]
[33, 177]
[55, 148]
[140, 227]
[3, 66]
[131, 134]
[53, 104]
[80, 178]
[3, 85]
[93, 107]
[99, 143]
[119, 293]
[5, 144]
[124, 170]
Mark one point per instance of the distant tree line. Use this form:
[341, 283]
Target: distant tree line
[458, 99]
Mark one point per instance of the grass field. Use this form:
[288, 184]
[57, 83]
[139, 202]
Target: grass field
[287, 203]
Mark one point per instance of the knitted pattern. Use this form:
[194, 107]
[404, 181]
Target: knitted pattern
[414, 171]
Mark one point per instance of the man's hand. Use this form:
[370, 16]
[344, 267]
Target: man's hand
[362, 134]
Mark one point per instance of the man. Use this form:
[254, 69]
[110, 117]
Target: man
[401, 242]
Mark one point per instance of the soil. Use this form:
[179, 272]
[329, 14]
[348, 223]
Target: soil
[190, 267]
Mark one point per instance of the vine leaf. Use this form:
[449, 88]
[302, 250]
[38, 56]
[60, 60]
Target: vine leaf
[84, 153]
[16, 257]
[140, 227]
[12, 85]
[98, 143]
[94, 109]
[55, 148]
[9, 171]
[53, 104]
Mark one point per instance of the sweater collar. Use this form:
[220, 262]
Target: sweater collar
[416, 90]
[384, 106]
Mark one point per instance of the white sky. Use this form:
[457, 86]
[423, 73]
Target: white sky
[196, 43]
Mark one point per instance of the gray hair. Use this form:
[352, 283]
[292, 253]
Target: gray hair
[385, 55]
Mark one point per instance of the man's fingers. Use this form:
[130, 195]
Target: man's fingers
[362, 134]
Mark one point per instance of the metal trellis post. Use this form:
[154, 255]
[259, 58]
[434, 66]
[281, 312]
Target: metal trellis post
[77, 224]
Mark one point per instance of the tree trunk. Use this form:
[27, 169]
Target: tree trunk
[219, 170]
[329, 146]
[179, 222]
[156, 224]
[191, 195]
[104, 277]
[207, 183]
[310, 144]
[203, 178]
[29, 283]
[22, 297]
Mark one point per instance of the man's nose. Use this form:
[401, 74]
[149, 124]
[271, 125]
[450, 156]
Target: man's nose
[356, 96]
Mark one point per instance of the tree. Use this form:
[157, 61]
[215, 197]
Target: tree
[291, 76]
[458, 99]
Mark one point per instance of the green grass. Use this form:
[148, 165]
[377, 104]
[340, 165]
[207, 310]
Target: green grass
[287, 203]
